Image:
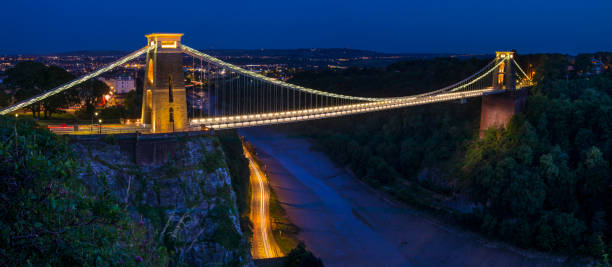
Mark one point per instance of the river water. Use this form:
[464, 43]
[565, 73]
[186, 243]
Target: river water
[346, 223]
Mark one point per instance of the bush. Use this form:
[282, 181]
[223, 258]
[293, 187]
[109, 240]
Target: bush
[300, 257]
[113, 113]
[86, 112]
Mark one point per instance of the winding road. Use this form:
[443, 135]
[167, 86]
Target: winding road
[264, 246]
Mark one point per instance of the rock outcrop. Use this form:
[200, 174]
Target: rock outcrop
[186, 203]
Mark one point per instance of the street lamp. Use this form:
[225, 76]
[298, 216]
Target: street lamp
[100, 125]
[92, 117]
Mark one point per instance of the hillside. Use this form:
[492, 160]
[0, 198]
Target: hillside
[90, 201]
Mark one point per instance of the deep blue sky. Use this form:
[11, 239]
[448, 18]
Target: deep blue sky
[462, 26]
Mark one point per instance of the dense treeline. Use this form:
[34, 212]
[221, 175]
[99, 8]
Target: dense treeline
[47, 215]
[543, 182]
[402, 78]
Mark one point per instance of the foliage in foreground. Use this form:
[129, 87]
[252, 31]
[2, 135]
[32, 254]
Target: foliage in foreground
[47, 216]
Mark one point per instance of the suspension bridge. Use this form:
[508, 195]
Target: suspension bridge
[225, 96]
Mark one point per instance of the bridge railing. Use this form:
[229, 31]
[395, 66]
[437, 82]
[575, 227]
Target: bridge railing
[79, 129]
[303, 115]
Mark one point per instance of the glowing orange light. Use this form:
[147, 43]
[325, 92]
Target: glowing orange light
[168, 44]
[500, 77]
[150, 71]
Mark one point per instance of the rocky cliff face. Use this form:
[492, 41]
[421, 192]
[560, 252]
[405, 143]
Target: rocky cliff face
[187, 204]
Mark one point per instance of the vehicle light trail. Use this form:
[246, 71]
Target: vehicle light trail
[262, 211]
[264, 245]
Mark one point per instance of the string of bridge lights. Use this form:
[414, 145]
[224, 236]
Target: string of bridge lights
[254, 98]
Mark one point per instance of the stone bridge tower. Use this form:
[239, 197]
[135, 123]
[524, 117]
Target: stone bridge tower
[505, 76]
[497, 110]
[164, 103]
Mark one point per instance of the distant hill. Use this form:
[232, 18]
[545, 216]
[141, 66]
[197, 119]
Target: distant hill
[94, 53]
[305, 58]
[313, 53]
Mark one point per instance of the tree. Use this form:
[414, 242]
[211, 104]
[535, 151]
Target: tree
[133, 104]
[595, 176]
[560, 181]
[55, 76]
[5, 99]
[28, 79]
[583, 63]
[300, 257]
[566, 231]
[91, 92]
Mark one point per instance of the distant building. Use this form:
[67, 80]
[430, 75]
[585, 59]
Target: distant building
[5, 66]
[121, 85]
[598, 66]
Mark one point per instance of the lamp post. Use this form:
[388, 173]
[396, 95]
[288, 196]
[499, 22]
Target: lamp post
[92, 117]
[100, 125]
[17, 115]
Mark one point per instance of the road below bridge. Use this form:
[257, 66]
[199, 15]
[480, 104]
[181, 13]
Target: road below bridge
[346, 223]
[263, 246]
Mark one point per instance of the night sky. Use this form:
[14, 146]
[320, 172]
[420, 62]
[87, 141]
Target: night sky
[464, 26]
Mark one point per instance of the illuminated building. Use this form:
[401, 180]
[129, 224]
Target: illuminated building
[121, 84]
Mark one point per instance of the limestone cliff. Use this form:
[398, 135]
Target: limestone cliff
[186, 203]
